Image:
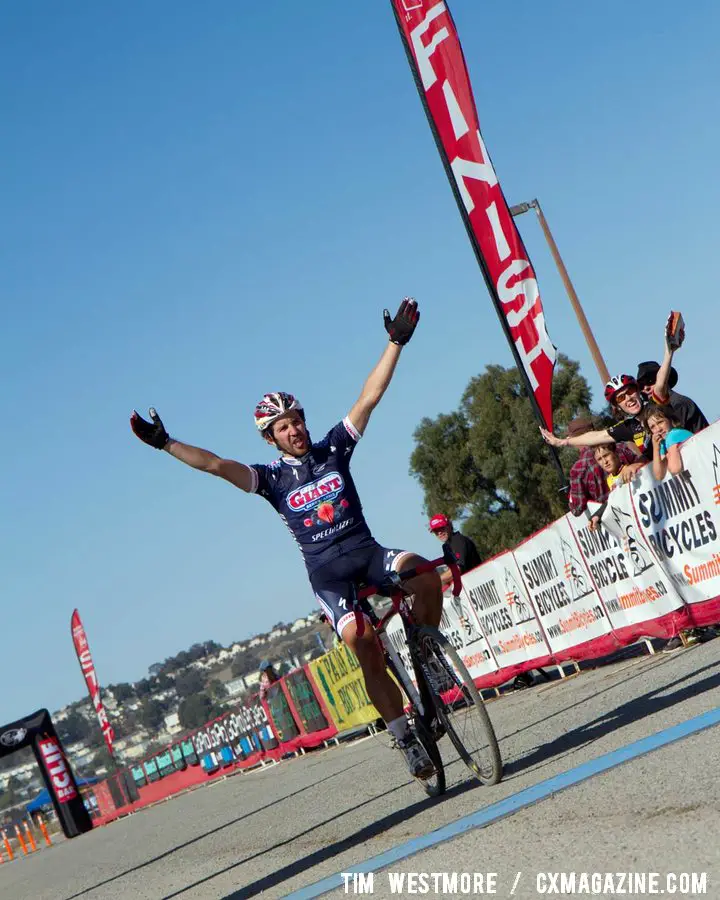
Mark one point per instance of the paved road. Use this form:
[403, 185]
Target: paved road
[285, 827]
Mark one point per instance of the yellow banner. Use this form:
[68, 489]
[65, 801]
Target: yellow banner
[340, 681]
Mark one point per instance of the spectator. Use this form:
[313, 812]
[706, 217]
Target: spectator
[466, 553]
[688, 414]
[268, 677]
[667, 437]
[623, 394]
[588, 481]
[608, 459]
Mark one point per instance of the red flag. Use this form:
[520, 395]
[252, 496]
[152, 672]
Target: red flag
[88, 669]
[436, 59]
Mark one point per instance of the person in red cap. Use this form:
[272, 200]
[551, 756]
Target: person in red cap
[466, 553]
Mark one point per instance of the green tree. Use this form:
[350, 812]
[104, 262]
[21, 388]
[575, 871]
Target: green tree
[189, 683]
[101, 759]
[143, 688]
[195, 711]
[244, 662]
[122, 692]
[152, 714]
[487, 464]
[217, 690]
[74, 728]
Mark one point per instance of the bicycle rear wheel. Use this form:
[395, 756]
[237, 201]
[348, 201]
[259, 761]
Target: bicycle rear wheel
[459, 707]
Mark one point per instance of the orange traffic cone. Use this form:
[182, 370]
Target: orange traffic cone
[30, 837]
[8, 848]
[43, 828]
[21, 840]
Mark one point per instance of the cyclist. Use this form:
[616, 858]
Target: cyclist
[311, 488]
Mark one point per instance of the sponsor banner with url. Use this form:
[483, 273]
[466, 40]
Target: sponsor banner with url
[340, 681]
[460, 625]
[558, 582]
[498, 597]
[633, 586]
[680, 517]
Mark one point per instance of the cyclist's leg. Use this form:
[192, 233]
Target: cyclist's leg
[426, 588]
[337, 600]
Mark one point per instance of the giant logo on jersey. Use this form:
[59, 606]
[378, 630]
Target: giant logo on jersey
[310, 495]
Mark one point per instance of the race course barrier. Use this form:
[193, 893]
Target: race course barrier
[569, 594]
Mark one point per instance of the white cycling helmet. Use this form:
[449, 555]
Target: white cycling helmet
[272, 406]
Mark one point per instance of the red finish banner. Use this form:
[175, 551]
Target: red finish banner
[88, 669]
[438, 65]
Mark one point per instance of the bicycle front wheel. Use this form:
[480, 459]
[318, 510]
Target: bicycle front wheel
[459, 707]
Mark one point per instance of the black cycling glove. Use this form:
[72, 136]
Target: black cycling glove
[152, 433]
[402, 327]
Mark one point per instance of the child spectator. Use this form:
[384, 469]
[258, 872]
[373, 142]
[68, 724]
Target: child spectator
[608, 459]
[667, 437]
[587, 479]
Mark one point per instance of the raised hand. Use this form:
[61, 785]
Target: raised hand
[403, 326]
[152, 433]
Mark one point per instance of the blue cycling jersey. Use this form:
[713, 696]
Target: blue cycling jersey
[316, 497]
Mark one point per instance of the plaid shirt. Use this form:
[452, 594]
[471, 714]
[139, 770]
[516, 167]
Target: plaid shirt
[589, 482]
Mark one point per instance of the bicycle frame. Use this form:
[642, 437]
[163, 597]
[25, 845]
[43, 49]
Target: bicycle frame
[419, 696]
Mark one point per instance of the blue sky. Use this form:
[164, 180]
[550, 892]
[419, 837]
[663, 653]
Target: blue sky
[204, 203]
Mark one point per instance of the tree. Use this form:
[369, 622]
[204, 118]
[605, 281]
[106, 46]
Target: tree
[189, 683]
[487, 464]
[74, 728]
[143, 688]
[245, 662]
[195, 711]
[152, 714]
[100, 760]
[122, 692]
[217, 690]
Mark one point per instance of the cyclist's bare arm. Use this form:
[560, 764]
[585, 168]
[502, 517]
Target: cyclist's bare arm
[375, 386]
[236, 473]
[153, 433]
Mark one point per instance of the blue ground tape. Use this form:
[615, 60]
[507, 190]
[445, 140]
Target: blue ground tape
[516, 802]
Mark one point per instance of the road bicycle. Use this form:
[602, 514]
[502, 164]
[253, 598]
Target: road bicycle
[441, 693]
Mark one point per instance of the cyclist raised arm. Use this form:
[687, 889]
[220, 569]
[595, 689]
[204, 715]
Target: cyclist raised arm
[154, 434]
[400, 329]
[311, 487]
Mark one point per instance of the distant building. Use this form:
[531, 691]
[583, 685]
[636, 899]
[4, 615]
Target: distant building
[172, 723]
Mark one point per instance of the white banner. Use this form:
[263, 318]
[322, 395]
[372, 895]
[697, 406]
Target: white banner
[500, 602]
[560, 588]
[634, 588]
[680, 517]
[460, 626]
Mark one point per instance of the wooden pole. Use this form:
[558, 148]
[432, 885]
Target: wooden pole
[574, 301]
